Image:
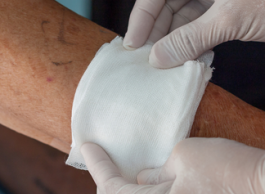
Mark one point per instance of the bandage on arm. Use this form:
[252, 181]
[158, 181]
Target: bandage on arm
[45, 49]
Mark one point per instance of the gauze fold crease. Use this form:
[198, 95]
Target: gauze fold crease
[135, 112]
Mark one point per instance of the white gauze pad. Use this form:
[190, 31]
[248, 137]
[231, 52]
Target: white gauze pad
[135, 112]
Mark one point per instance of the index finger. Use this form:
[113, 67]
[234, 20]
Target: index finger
[141, 22]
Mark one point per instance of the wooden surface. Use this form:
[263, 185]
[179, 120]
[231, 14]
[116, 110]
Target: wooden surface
[30, 167]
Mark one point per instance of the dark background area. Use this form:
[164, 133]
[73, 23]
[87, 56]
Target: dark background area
[239, 66]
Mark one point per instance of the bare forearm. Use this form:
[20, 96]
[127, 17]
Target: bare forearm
[222, 114]
[45, 50]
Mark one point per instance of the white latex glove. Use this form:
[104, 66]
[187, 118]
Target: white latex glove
[196, 166]
[192, 29]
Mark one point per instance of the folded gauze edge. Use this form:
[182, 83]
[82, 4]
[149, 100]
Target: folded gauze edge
[135, 112]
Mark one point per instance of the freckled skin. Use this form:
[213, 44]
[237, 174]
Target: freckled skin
[45, 49]
[221, 114]
[28, 49]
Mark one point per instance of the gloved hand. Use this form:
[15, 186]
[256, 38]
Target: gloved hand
[192, 29]
[196, 165]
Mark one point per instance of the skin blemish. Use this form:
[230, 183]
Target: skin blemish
[103, 31]
[73, 29]
[42, 24]
[61, 37]
[49, 79]
[61, 63]
[13, 64]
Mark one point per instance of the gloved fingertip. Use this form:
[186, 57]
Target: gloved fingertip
[148, 177]
[92, 153]
[91, 149]
[86, 146]
[128, 47]
[154, 62]
[143, 178]
[161, 58]
[128, 43]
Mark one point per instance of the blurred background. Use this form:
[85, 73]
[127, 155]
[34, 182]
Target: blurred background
[82, 7]
[239, 68]
[111, 14]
